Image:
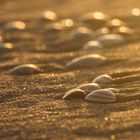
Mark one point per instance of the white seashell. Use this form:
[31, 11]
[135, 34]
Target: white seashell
[103, 79]
[115, 23]
[89, 87]
[86, 61]
[68, 23]
[111, 39]
[5, 47]
[47, 16]
[100, 32]
[80, 33]
[74, 94]
[24, 69]
[14, 25]
[101, 96]
[94, 19]
[1, 39]
[92, 45]
[124, 31]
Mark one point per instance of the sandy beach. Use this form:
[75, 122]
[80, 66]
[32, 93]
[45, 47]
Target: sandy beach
[31, 105]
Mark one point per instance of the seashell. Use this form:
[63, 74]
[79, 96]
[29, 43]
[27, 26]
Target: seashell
[136, 12]
[14, 26]
[5, 47]
[86, 61]
[115, 23]
[94, 19]
[24, 69]
[100, 32]
[111, 39]
[48, 16]
[68, 23]
[53, 31]
[1, 39]
[124, 31]
[101, 96]
[89, 87]
[92, 45]
[103, 79]
[74, 94]
[80, 33]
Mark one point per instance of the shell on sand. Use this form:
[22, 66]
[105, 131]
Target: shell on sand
[48, 16]
[5, 47]
[89, 87]
[14, 25]
[80, 33]
[24, 69]
[115, 23]
[92, 45]
[74, 94]
[86, 61]
[111, 39]
[101, 96]
[103, 79]
[94, 19]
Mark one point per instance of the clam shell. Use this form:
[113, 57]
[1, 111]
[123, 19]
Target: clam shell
[89, 87]
[86, 61]
[115, 23]
[111, 39]
[47, 16]
[80, 33]
[5, 47]
[125, 31]
[74, 94]
[92, 45]
[24, 69]
[101, 96]
[94, 19]
[14, 26]
[103, 79]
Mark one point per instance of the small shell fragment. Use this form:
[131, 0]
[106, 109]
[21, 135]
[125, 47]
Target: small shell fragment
[101, 96]
[14, 26]
[124, 31]
[74, 94]
[94, 19]
[103, 79]
[24, 69]
[68, 23]
[100, 32]
[80, 33]
[89, 87]
[86, 61]
[5, 47]
[92, 45]
[111, 39]
[115, 23]
[48, 16]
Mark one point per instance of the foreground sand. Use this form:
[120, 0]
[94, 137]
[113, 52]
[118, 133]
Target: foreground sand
[32, 106]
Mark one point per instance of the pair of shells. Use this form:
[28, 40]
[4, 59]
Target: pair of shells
[100, 95]
[93, 91]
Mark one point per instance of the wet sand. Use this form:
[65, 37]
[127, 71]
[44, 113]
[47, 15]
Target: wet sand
[32, 106]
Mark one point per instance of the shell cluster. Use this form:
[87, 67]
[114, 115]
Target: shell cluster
[92, 33]
[94, 92]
